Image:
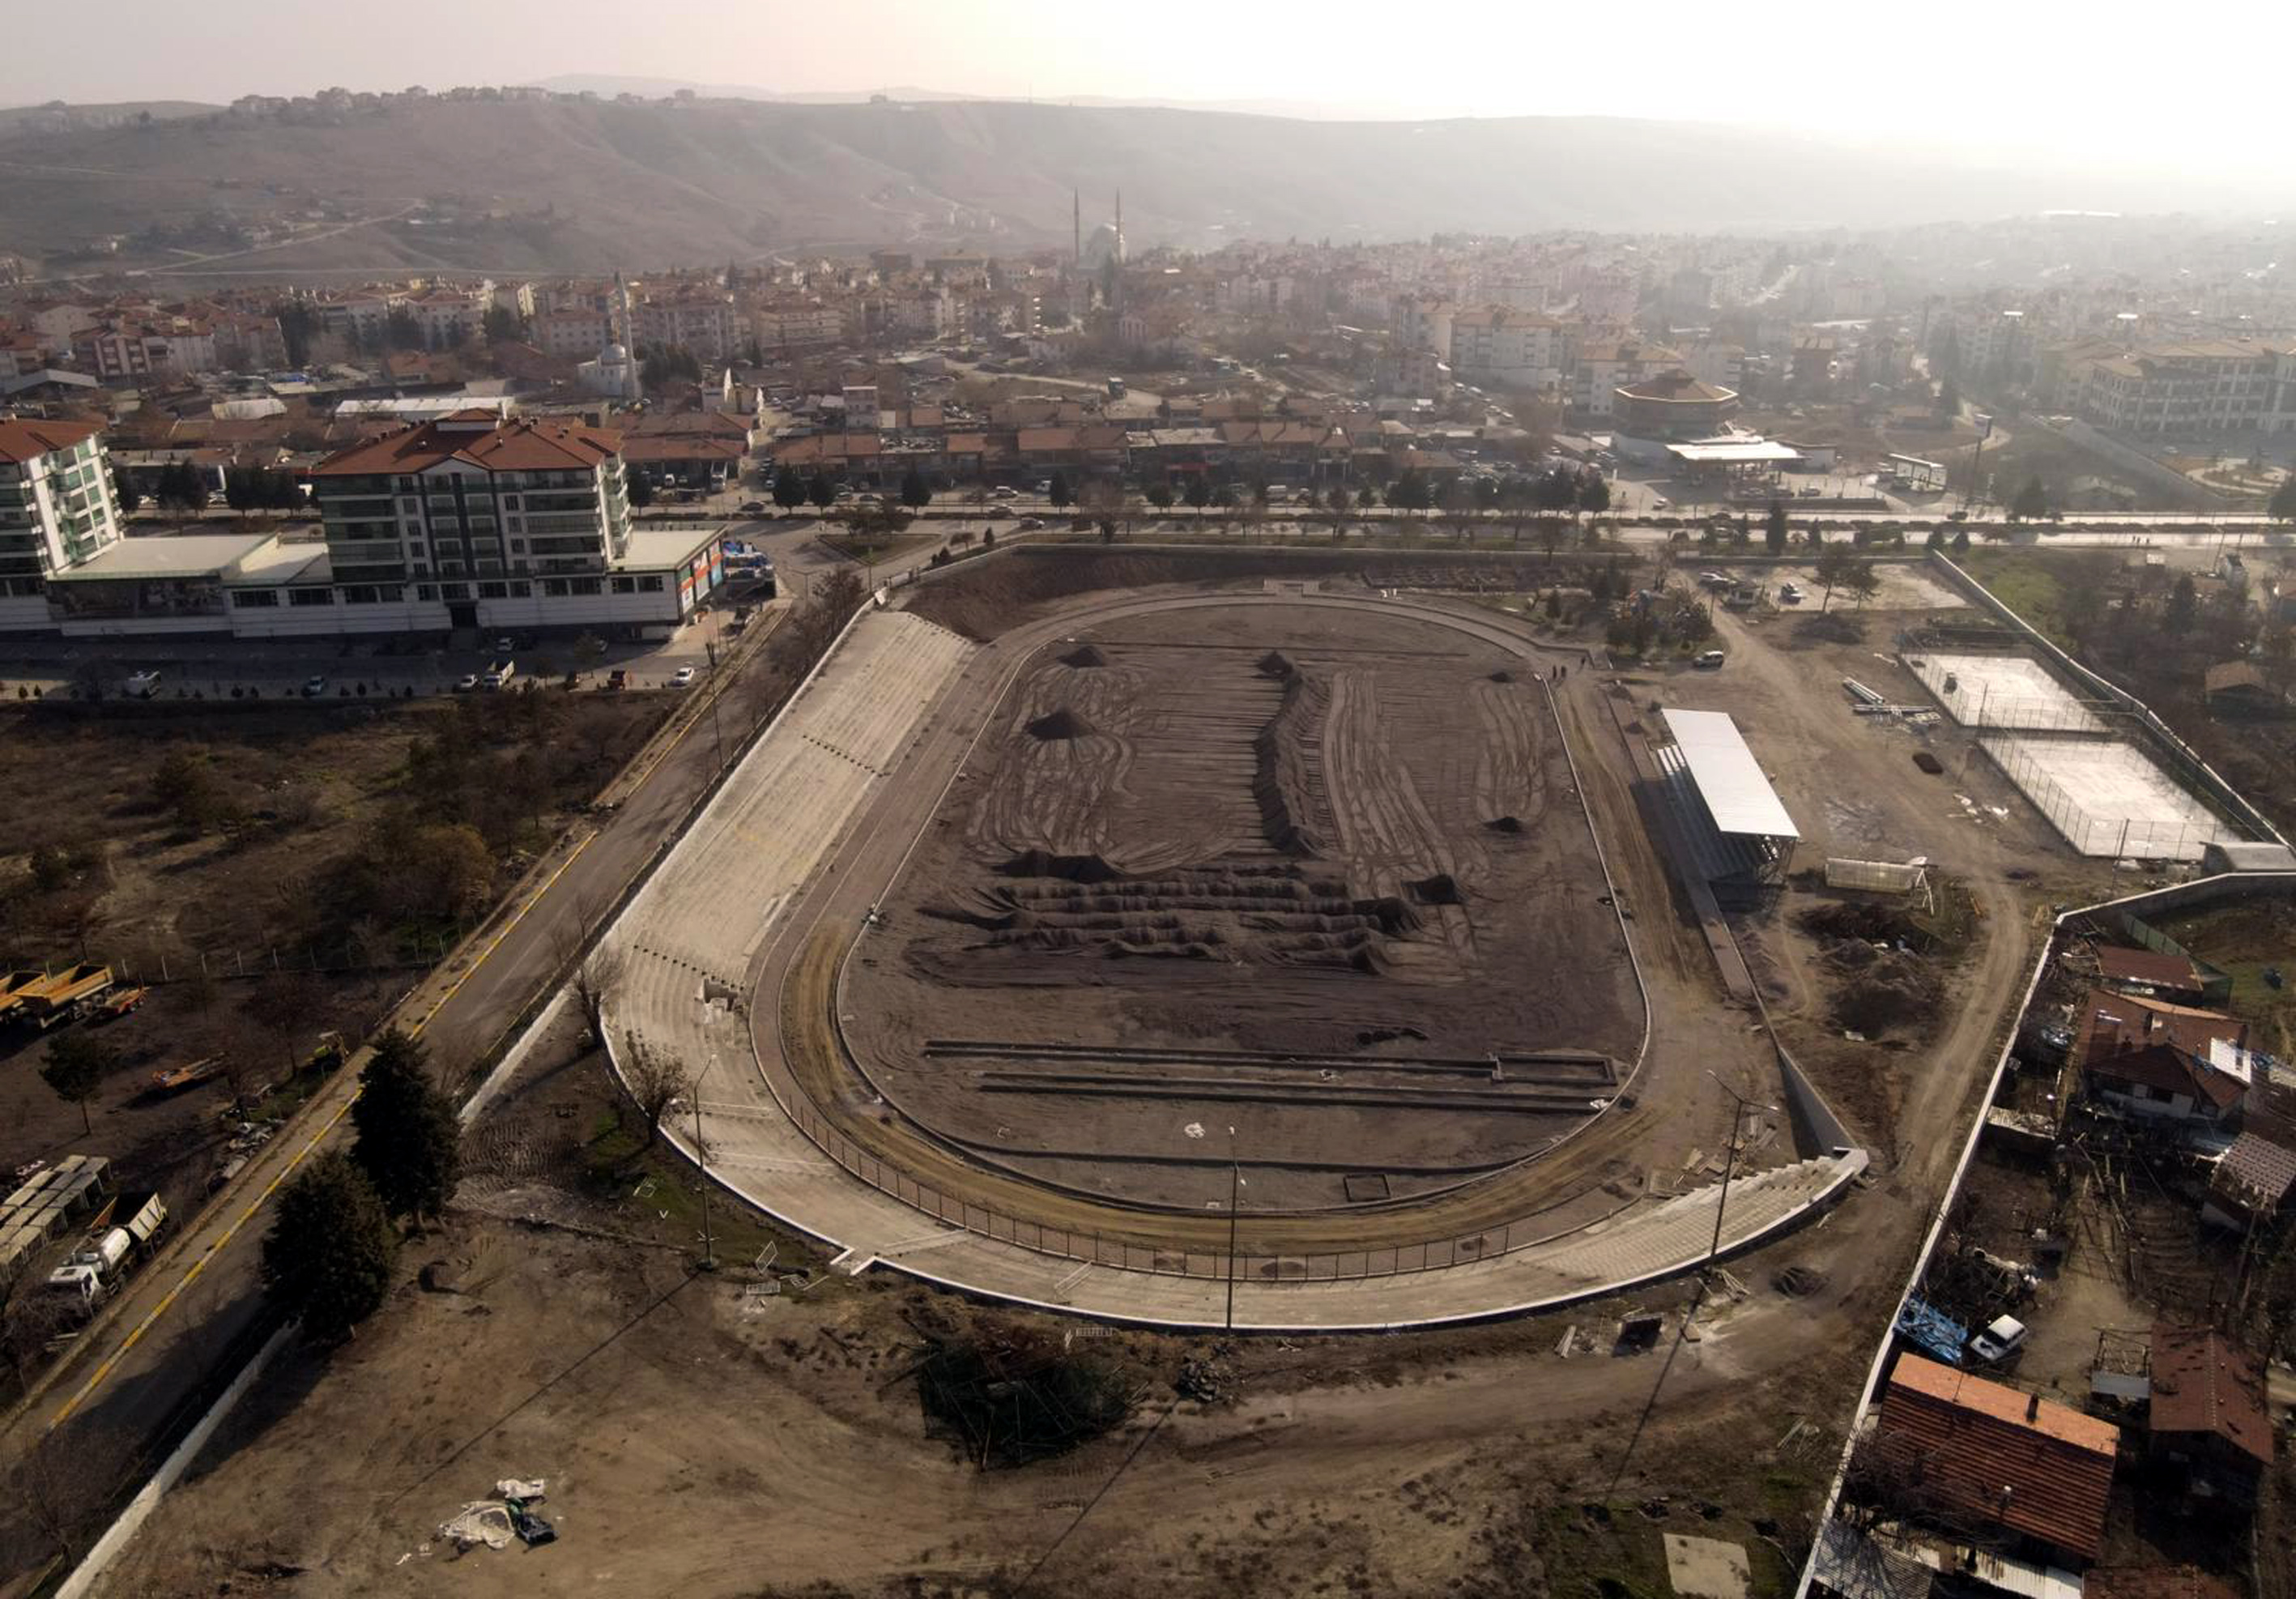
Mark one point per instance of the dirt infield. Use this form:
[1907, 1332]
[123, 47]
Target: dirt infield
[1300, 889]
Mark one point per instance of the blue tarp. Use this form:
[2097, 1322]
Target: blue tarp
[1932, 1331]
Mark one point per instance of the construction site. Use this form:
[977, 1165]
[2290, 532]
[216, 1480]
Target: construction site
[1254, 885]
[1178, 946]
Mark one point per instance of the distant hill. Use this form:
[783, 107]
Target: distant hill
[530, 186]
[56, 117]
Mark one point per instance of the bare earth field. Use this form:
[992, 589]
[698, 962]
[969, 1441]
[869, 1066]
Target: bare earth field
[1273, 883]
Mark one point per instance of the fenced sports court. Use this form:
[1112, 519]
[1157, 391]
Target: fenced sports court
[2108, 798]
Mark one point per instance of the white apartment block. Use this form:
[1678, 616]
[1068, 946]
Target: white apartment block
[703, 324]
[2204, 386]
[574, 334]
[1515, 350]
[779, 325]
[1604, 366]
[1425, 324]
[56, 506]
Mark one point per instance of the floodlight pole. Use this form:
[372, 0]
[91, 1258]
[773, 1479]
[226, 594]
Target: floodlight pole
[702, 1164]
[1235, 1201]
[1730, 1161]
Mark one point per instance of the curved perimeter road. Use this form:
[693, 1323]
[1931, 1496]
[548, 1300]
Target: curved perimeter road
[1593, 1239]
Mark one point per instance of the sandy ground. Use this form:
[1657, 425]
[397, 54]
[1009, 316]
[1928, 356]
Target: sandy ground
[1298, 858]
[700, 1441]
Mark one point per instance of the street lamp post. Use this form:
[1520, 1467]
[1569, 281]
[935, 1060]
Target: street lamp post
[1235, 1198]
[1984, 419]
[702, 1164]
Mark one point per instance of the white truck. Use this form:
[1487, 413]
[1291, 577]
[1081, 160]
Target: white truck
[91, 1271]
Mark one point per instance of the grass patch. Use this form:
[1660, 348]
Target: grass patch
[2022, 580]
[2242, 940]
[661, 1194]
[1603, 1551]
[868, 549]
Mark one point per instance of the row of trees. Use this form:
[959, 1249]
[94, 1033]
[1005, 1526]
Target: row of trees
[334, 1238]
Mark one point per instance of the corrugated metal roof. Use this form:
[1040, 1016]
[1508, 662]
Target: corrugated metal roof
[1729, 779]
[2202, 1383]
[2018, 1460]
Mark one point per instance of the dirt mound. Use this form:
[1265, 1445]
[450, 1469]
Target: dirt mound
[1276, 664]
[1867, 921]
[1829, 628]
[1391, 1035]
[1287, 780]
[1074, 869]
[1084, 656]
[1882, 994]
[1439, 890]
[1060, 724]
[1502, 675]
[1505, 823]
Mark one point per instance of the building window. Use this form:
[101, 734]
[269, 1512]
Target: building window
[650, 583]
[361, 593]
[251, 599]
[493, 591]
[556, 587]
[426, 591]
[624, 586]
[311, 597]
[519, 590]
[518, 547]
[586, 585]
[454, 591]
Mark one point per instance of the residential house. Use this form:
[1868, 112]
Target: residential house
[2035, 1471]
[2151, 974]
[2161, 1062]
[2207, 1412]
[2250, 1184]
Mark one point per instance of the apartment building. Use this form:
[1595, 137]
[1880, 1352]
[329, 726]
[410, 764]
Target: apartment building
[575, 333]
[449, 317]
[1422, 322]
[701, 322]
[56, 506]
[1515, 350]
[778, 325]
[2204, 386]
[1601, 367]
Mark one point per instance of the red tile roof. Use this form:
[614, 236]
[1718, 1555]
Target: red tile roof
[23, 438]
[2029, 1464]
[2148, 966]
[2114, 1023]
[2203, 1383]
[2171, 1071]
[522, 446]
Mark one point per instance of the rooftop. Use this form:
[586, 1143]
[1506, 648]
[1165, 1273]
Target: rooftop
[657, 545]
[183, 555]
[2019, 1460]
[478, 439]
[2202, 1382]
[1729, 779]
[24, 438]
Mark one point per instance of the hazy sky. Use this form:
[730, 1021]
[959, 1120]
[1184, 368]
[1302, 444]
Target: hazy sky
[2194, 82]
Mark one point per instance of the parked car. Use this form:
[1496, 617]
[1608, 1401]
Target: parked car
[1657, 503]
[505, 647]
[1004, 491]
[753, 507]
[143, 685]
[1709, 660]
[1789, 593]
[315, 685]
[682, 678]
[498, 676]
[467, 683]
[2001, 1339]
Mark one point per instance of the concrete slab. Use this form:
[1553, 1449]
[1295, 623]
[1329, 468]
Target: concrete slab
[1707, 1567]
[2107, 798]
[2003, 691]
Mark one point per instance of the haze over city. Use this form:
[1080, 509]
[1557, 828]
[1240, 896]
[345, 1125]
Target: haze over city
[965, 800]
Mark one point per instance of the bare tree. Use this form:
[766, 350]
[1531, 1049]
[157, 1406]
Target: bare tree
[657, 1081]
[595, 980]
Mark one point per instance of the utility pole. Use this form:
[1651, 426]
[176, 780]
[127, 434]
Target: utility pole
[1739, 1105]
[1234, 1197]
[702, 1164]
[1984, 419]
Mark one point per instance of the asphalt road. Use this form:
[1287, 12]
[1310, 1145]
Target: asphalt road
[200, 1299]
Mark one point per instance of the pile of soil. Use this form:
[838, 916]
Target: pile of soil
[1286, 779]
[1084, 656]
[1502, 675]
[1505, 823]
[1881, 993]
[1829, 628]
[1060, 724]
[1866, 922]
[1075, 868]
[1439, 890]
[1276, 664]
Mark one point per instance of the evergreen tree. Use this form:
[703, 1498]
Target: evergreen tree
[408, 1143]
[915, 492]
[2031, 504]
[329, 1255]
[76, 1066]
[1774, 532]
[2282, 508]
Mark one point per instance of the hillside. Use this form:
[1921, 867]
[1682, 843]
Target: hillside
[16, 121]
[532, 186]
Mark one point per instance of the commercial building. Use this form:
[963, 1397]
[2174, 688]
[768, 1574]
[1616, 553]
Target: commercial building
[2202, 386]
[56, 508]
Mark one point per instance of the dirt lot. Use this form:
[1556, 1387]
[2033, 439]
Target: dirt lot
[1403, 1465]
[1265, 869]
[228, 898]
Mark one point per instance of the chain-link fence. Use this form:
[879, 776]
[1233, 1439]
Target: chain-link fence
[2107, 799]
